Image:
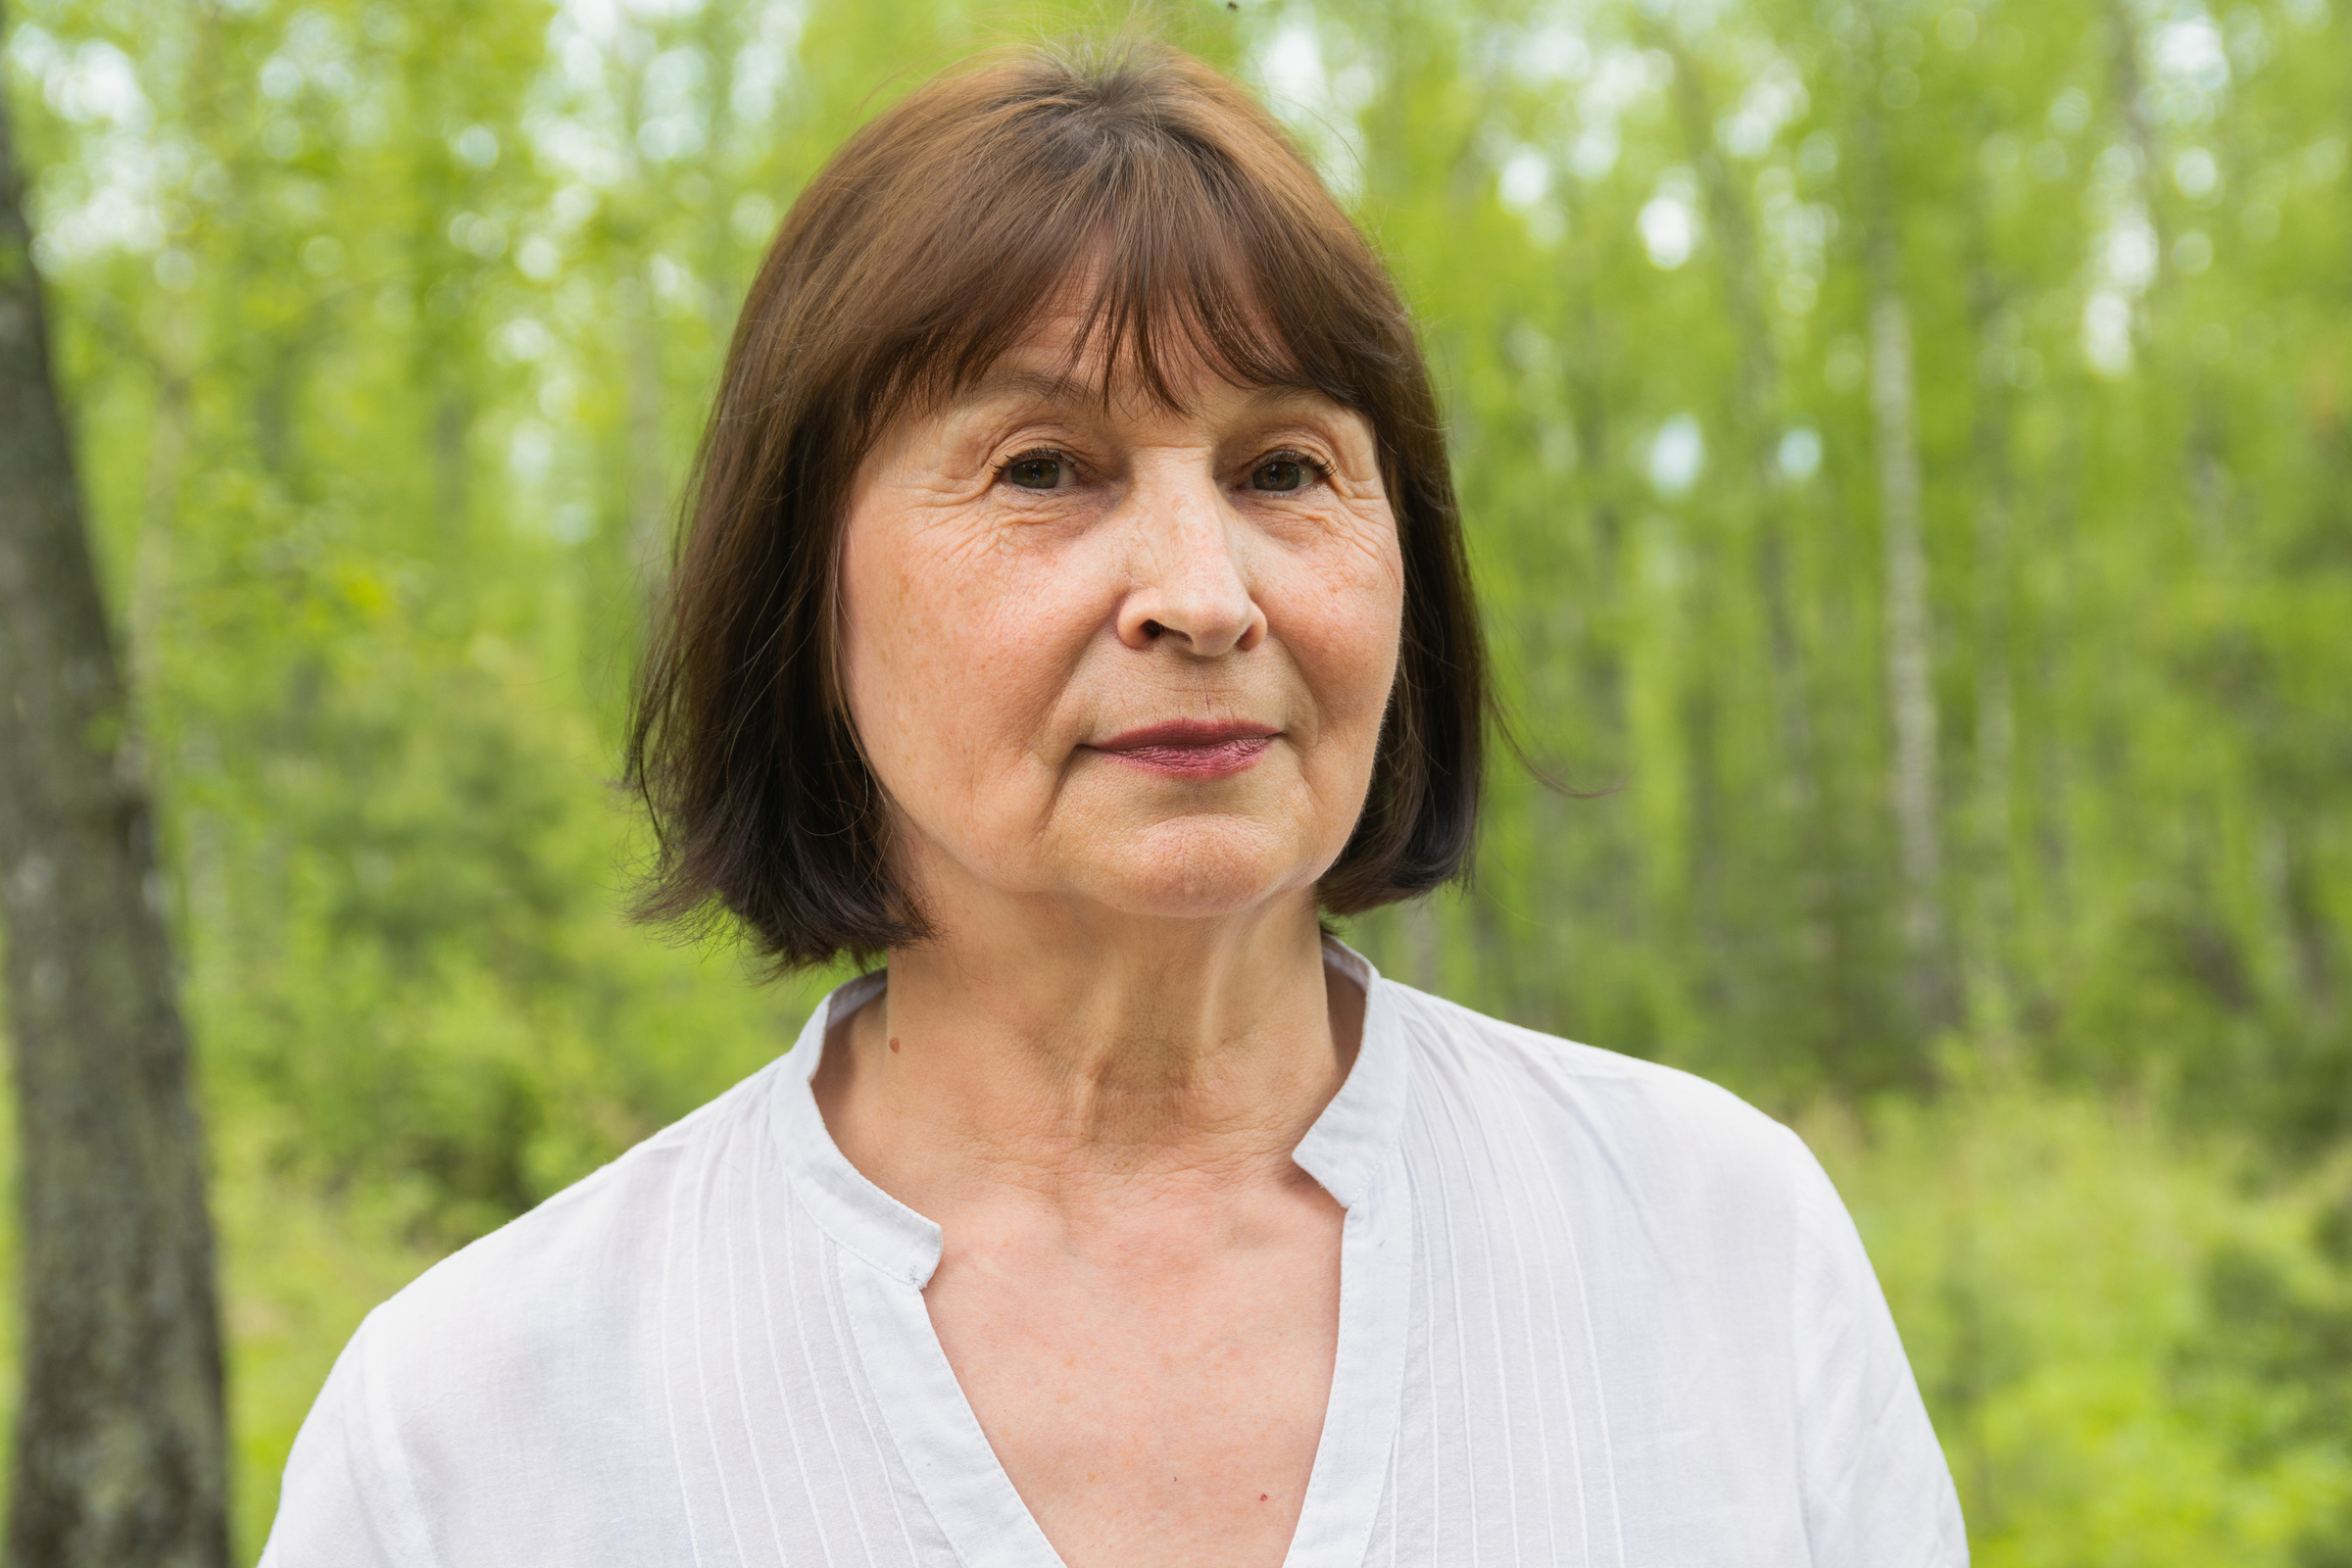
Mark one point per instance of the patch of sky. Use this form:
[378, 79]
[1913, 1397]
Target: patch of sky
[530, 452]
[764, 67]
[1775, 98]
[2190, 52]
[476, 146]
[1799, 452]
[1320, 103]
[539, 259]
[2126, 252]
[522, 338]
[1621, 77]
[84, 85]
[1553, 51]
[109, 195]
[1677, 455]
[2196, 174]
[2107, 332]
[315, 42]
[1524, 179]
[1668, 219]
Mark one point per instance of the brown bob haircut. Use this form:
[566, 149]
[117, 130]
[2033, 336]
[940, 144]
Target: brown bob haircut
[926, 247]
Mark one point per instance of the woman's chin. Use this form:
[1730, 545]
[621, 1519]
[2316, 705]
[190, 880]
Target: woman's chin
[1199, 870]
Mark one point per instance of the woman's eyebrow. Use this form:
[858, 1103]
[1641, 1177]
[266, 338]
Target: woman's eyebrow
[1291, 397]
[1000, 382]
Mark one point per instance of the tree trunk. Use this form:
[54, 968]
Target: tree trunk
[1910, 661]
[1910, 674]
[1993, 901]
[120, 1460]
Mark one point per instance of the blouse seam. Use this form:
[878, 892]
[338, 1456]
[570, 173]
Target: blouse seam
[835, 1234]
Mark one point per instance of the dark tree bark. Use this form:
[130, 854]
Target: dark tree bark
[120, 1458]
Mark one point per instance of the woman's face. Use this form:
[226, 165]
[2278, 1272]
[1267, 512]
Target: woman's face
[1114, 653]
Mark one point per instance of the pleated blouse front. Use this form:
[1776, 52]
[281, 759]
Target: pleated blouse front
[1593, 1311]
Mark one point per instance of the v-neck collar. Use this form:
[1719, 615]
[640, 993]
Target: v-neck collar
[889, 1254]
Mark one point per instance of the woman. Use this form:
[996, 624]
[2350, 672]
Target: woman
[1072, 607]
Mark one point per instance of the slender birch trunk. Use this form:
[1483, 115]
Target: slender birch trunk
[1909, 651]
[1994, 894]
[121, 1459]
[1910, 675]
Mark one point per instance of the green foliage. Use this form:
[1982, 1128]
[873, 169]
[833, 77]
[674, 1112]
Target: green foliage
[2132, 1358]
[389, 328]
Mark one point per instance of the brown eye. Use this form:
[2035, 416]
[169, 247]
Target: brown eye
[1035, 471]
[1279, 475]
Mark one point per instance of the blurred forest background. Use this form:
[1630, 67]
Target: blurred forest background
[1906, 446]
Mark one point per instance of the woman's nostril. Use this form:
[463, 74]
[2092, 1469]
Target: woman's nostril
[1152, 628]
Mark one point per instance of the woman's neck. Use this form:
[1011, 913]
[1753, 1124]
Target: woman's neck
[1075, 1054]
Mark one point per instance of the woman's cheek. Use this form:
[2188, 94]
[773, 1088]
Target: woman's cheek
[1017, 628]
[1352, 626]
[955, 605]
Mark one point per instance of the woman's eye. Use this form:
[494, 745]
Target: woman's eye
[1035, 471]
[1280, 475]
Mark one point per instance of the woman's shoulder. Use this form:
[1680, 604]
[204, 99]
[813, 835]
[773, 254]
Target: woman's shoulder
[585, 1267]
[519, 1381]
[1730, 1308]
[1567, 1096]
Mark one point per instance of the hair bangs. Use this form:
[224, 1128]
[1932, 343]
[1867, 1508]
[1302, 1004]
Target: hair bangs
[1176, 286]
[1166, 264]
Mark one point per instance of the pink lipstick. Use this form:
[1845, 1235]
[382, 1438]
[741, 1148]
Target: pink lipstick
[1191, 749]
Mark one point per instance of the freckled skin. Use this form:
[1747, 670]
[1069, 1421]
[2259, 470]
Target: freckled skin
[1094, 1076]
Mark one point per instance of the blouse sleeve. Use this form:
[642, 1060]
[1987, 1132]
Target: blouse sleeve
[1877, 1491]
[347, 1500]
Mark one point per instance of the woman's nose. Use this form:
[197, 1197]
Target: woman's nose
[1190, 582]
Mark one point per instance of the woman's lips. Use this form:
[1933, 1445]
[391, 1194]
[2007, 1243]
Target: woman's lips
[1190, 749]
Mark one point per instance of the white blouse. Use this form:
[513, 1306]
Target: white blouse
[1591, 1311]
